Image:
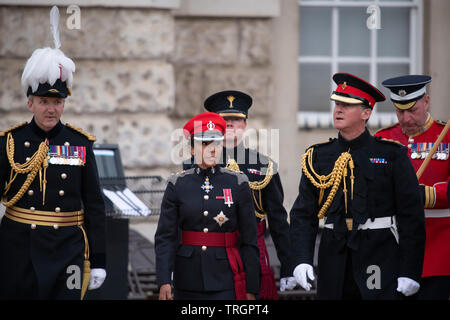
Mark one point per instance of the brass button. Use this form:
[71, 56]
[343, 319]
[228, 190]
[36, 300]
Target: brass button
[32, 208]
[33, 226]
[26, 144]
[66, 143]
[204, 248]
[57, 209]
[206, 197]
[61, 192]
[27, 159]
[63, 176]
[55, 226]
[205, 230]
[205, 213]
[30, 192]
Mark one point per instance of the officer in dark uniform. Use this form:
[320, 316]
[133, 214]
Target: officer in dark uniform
[365, 188]
[210, 205]
[52, 232]
[265, 183]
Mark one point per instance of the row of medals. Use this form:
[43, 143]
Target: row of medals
[71, 161]
[421, 150]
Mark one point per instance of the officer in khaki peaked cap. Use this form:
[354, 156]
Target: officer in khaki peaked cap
[54, 223]
[367, 192]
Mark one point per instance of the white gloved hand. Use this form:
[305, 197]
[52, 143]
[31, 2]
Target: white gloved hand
[287, 283]
[98, 276]
[407, 286]
[301, 272]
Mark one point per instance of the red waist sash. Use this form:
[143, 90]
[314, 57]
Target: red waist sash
[268, 287]
[228, 240]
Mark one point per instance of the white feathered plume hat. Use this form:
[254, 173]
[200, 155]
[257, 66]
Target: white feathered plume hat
[48, 72]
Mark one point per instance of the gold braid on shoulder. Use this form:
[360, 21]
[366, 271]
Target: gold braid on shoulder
[255, 186]
[37, 162]
[81, 131]
[332, 180]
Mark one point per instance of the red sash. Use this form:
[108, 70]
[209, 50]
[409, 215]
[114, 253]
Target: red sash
[227, 240]
[268, 288]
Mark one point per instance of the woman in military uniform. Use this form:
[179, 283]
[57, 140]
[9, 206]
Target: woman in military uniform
[208, 207]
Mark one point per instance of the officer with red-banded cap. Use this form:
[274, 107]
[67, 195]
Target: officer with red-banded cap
[366, 191]
[418, 131]
[212, 206]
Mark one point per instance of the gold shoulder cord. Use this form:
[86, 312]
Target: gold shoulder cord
[255, 186]
[332, 180]
[84, 133]
[37, 162]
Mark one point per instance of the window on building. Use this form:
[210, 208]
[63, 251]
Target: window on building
[375, 40]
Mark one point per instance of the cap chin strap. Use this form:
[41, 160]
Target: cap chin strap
[208, 138]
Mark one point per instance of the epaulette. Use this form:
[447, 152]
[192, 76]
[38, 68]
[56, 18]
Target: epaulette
[174, 177]
[391, 141]
[319, 144]
[4, 132]
[84, 133]
[441, 122]
[388, 127]
[241, 177]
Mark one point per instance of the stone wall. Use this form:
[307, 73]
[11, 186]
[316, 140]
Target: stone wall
[124, 84]
[215, 54]
[140, 73]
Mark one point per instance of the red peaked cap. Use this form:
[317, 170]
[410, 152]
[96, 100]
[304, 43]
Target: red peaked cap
[354, 90]
[205, 126]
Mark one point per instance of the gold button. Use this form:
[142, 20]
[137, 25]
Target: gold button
[63, 176]
[205, 230]
[30, 192]
[205, 213]
[33, 226]
[66, 143]
[55, 226]
[57, 209]
[26, 144]
[32, 208]
[206, 197]
[204, 248]
[27, 159]
[61, 192]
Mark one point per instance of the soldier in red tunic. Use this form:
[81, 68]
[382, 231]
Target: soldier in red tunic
[418, 131]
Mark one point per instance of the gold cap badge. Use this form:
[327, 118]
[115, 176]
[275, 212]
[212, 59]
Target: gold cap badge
[231, 99]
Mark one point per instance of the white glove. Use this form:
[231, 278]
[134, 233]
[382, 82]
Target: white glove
[98, 275]
[288, 283]
[407, 286]
[301, 272]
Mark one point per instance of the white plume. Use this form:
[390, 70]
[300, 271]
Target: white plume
[47, 65]
[54, 26]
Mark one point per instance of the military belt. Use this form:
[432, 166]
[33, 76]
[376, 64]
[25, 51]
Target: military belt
[45, 218]
[377, 223]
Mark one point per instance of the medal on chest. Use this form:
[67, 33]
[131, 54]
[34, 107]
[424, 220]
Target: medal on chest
[207, 186]
[67, 155]
[221, 218]
[228, 199]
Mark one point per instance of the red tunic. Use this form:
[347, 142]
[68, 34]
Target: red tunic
[435, 177]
